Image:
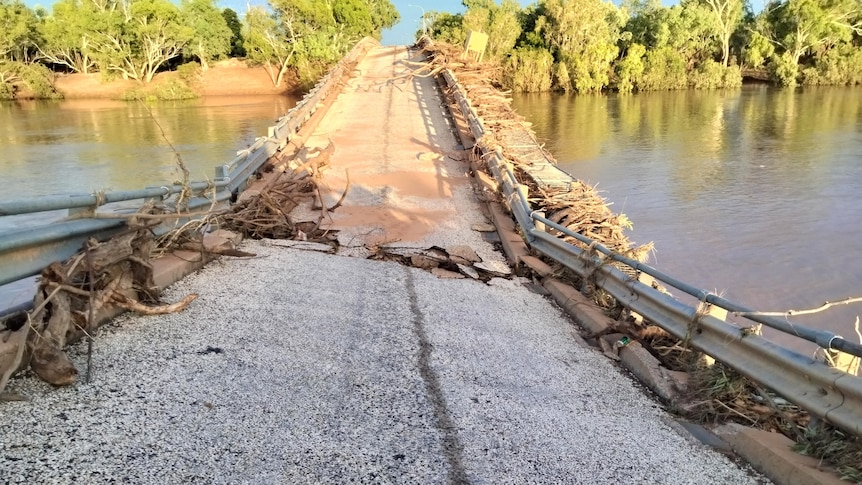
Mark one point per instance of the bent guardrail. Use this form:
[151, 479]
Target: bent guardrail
[25, 252]
[811, 384]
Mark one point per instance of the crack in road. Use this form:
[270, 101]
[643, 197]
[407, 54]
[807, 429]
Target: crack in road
[452, 447]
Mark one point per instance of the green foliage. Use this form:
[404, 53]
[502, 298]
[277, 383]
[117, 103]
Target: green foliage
[8, 78]
[7, 90]
[561, 77]
[784, 69]
[236, 40]
[528, 70]
[500, 22]
[841, 65]
[834, 446]
[726, 16]
[137, 41]
[630, 68]
[190, 73]
[758, 50]
[383, 16]
[65, 34]
[664, 68]
[270, 41]
[582, 35]
[354, 16]
[19, 33]
[709, 75]
[39, 80]
[445, 27]
[36, 79]
[210, 34]
[175, 90]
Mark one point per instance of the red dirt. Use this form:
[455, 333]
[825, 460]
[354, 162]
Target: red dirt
[231, 77]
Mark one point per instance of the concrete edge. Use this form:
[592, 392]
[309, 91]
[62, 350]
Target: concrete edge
[772, 454]
[176, 265]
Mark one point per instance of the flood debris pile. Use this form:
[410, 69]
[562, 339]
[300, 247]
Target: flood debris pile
[266, 213]
[74, 297]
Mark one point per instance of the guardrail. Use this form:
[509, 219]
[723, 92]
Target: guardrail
[25, 252]
[811, 384]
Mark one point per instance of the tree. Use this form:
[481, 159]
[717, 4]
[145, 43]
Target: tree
[500, 22]
[211, 35]
[139, 37]
[235, 26]
[65, 33]
[18, 31]
[582, 35]
[383, 16]
[270, 41]
[445, 27]
[801, 27]
[727, 15]
[529, 69]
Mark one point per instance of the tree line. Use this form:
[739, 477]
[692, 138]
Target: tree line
[135, 39]
[591, 45]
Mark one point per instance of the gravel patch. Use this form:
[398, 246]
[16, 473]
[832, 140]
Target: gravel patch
[300, 367]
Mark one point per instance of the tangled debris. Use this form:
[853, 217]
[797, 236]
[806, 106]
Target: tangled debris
[266, 214]
[76, 296]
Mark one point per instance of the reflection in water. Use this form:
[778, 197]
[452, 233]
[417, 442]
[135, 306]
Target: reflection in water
[754, 193]
[84, 146]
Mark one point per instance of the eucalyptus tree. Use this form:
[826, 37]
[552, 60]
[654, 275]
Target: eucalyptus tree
[270, 40]
[66, 35]
[19, 35]
[807, 27]
[727, 16]
[582, 35]
[211, 35]
[444, 27]
[137, 37]
[311, 34]
[383, 16]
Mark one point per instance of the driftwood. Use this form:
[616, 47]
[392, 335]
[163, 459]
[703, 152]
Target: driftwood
[266, 215]
[73, 298]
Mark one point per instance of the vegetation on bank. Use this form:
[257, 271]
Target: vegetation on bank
[135, 39]
[588, 46]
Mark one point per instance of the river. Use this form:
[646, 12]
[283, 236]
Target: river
[51, 147]
[755, 194]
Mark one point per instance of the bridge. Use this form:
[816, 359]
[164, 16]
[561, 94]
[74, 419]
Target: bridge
[387, 341]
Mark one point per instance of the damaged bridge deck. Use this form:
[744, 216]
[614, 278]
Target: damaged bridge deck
[296, 366]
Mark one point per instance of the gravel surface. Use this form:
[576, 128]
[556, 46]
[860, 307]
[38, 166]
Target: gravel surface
[334, 370]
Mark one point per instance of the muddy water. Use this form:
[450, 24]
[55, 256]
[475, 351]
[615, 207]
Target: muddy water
[755, 194]
[89, 145]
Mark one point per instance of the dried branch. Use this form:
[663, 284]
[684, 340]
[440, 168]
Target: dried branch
[789, 313]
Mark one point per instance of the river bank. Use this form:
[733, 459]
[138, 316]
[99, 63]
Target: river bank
[224, 78]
